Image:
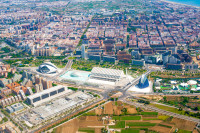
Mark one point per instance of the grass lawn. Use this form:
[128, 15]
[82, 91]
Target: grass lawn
[119, 124]
[127, 117]
[163, 117]
[130, 131]
[87, 130]
[139, 124]
[149, 113]
[183, 131]
[91, 113]
[167, 108]
[150, 118]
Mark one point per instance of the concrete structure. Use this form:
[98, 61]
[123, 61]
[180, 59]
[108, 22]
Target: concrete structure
[47, 95]
[29, 91]
[174, 66]
[4, 82]
[109, 59]
[39, 87]
[21, 93]
[9, 129]
[191, 66]
[14, 107]
[138, 62]
[152, 59]
[83, 51]
[94, 57]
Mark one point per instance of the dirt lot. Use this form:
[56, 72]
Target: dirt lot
[98, 111]
[108, 108]
[131, 110]
[173, 98]
[97, 130]
[82, 122]
[153, 97]
[160, 129]
[117, 110]
[183, 124]
[91, 118]
[69, 127]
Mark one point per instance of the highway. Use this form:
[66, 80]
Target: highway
[67, 68]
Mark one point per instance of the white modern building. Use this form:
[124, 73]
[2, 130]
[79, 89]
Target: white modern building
[47, 95]
[104, 77]
[47, 68]
[106, 74]
[144, 86]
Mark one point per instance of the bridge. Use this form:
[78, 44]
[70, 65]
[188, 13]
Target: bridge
[67, 68]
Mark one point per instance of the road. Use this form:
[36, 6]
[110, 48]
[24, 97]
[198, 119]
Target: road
[67, 68]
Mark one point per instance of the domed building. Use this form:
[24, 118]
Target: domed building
[143, 82]
[47, 68]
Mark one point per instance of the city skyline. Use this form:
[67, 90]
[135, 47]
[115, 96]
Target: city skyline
[93, 66]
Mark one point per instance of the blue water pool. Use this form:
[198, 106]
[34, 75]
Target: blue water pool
[76, 75]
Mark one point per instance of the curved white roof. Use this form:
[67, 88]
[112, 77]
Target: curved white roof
[173, 82]
[107, 72]
[193, 89]
[49, 63]
[192, 82]
[184, 84]
[47, 67]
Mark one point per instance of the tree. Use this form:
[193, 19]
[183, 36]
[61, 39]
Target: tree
[165, 99]
[187, 112]
[139, 109]
[180, 109]
[196, 109]
[103, 130]
[124, 110]
[147, 102]
[112, 99]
